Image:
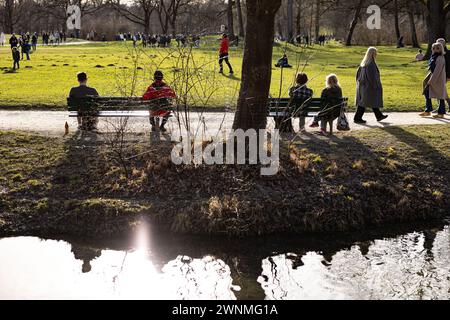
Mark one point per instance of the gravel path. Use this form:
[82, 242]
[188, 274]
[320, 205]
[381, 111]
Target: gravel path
[52, 123]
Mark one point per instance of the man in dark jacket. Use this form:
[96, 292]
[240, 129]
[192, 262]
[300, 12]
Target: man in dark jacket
[88, 123]
[13, 41]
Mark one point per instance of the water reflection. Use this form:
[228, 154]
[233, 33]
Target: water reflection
[415, 265]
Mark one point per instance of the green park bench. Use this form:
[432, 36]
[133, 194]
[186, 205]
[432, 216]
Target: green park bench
[283, 110]
[116, 107]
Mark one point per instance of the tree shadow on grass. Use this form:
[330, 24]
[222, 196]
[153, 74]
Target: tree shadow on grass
[439, 160]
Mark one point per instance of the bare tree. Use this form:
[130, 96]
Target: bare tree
[412, 24]
[290, 20]
[140, 12]
[355, 20]
[230, 20]
[240, 18]
[436, 18]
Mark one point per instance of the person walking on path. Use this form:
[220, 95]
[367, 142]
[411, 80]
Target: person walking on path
[447, 63]
[369, 90]
[223, 53]
[158, 92]
[435, 82]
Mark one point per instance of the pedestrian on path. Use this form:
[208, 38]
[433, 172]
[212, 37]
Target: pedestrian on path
[369, 90]
[447, 63]
[435, 82]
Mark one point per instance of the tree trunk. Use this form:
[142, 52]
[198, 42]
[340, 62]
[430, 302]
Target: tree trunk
[317, 22]
[299, 18]
[396, 22]
[412, 24]
[230, 18]
[436, 22]
[8, 19]
[290, 20]
[354, 23]
[146, 24]
[251, 110]
[240, 19]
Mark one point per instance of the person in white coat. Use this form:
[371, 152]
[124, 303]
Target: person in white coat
[2, 39]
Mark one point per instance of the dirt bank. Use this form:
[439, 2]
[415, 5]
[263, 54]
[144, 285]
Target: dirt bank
[355, 181]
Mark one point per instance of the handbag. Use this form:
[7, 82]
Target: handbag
[343, 123]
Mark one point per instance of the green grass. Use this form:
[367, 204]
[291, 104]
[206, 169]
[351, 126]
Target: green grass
[48, 77]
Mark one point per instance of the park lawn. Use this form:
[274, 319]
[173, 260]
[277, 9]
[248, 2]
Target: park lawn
[353, 181]
[116, 69]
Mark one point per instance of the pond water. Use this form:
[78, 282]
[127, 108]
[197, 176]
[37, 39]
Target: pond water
[396, 265]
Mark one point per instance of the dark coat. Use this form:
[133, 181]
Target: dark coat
[369, 90]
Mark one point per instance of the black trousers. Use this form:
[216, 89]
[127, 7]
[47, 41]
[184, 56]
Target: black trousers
[224, 57]
[163, 122]
[361, 110]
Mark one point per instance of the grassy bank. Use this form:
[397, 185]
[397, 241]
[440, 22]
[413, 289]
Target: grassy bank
[350, 182]
[45, 81]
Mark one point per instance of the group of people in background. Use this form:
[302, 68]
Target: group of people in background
[307, 40]
[159, 40]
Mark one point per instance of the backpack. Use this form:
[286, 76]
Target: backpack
[342, 123]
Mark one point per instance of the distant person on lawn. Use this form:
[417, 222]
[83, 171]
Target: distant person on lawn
[283, 62]
[2, 39]
[13, 41]
[88, 123]
[435, 82]
[420, 56]
[159, 91]
[224, 53]
[301, 93]
[16, 58]
[369, 90]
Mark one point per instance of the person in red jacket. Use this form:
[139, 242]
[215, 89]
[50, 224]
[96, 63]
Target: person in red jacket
[223, 53]
[159, 91]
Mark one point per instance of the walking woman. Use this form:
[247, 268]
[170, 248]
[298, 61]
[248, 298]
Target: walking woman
[369, 90]
[435, 82]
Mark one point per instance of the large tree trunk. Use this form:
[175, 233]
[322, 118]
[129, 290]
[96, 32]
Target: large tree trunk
[436, 22]
[396, 20]
[230, 18]
[354, 23]
[240, 18]
[412, 24]
[251, 110]
[317, 22]
[290, 20]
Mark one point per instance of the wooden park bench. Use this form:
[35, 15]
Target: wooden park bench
[285, 109]
[116, 107]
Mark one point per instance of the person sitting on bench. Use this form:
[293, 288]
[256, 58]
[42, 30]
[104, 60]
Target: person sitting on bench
[283, 62]
[300, 92]
[332, 91]
[159, 90]
[88, 123]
